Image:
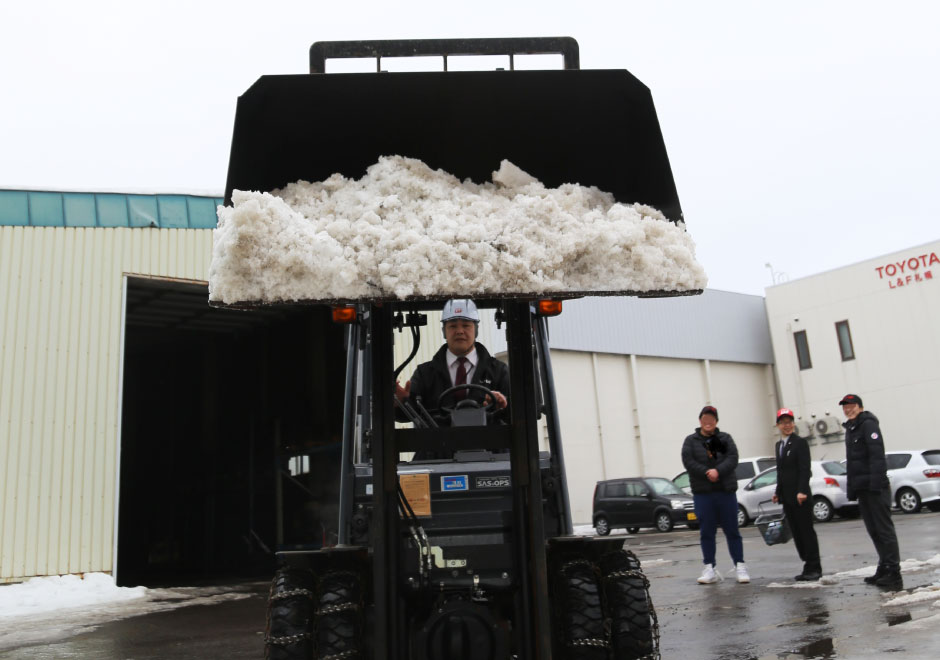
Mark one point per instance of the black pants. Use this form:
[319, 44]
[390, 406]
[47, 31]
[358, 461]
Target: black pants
[875, 508]
[800, 517]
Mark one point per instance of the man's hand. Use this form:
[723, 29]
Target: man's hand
[402, 393]
[501, 401]
[800, 498]
[775, 499]
[712, 475]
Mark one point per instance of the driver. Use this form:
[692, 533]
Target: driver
[461, 360]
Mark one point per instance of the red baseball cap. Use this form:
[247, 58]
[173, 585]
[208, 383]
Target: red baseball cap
[785, 412]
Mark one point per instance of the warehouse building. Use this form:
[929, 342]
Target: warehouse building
[138, 426]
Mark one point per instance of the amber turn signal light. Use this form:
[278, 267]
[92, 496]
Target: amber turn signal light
[548, 307]
[344, 314]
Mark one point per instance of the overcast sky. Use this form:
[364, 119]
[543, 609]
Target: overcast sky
[801, 134]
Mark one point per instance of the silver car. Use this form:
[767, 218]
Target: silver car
[747, 469]
[827, 481]
[915, 479]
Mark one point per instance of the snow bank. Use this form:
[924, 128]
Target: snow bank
[405, 230]
[907, 566]
[919, 595]
[45, 594]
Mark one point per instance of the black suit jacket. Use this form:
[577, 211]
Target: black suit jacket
[793, 467]
[432, 378]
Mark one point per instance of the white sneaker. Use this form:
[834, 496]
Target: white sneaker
[709, 575]
[740, 571]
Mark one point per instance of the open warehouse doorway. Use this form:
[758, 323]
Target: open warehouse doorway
[230, 435]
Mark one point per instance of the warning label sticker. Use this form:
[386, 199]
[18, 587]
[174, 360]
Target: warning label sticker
[417, 489]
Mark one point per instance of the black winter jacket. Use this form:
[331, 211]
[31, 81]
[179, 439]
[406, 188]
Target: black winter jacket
[702, 453]
[793, 467]
[865, 455]
[432, 378]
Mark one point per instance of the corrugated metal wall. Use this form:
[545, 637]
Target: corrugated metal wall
[61, 294]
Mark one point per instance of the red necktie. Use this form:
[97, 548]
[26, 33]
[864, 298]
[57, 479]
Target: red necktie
[461, 378]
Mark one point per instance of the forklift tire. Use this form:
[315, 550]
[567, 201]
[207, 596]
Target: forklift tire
[289, 631]
[339, 627]
[579, 613]
[634, 630]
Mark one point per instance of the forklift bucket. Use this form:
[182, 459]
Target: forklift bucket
[590, 127]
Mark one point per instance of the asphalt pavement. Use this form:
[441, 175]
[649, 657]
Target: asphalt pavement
[772, 617]
[776, 617]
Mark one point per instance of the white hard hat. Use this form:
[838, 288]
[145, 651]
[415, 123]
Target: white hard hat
[460, 308]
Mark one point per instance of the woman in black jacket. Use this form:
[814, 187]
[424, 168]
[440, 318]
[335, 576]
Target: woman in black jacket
[710, 456]
[793, 473]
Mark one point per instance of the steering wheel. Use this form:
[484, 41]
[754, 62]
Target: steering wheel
[468, 402]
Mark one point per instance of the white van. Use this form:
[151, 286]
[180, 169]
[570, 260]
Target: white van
[747, 469]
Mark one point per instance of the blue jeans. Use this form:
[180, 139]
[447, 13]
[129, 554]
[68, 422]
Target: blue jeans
[712, 510]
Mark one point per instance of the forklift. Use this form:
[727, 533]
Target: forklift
[455, 535]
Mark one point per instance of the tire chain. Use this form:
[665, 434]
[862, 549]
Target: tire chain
[582, 615]
[339, 594]
[291, 593]
[289, 584]
[633, 573]
[340, 656]
[287, 640]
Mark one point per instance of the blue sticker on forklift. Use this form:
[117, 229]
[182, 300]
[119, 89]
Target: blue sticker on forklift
[454, 482]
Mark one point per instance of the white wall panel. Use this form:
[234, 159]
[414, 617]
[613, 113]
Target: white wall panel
[617, 421]
[60, 297]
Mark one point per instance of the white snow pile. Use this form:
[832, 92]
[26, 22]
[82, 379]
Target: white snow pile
[405, 230]
[906, 565]
[919, 595]
[45, 594]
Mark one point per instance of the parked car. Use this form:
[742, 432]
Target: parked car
[915, 479]
[827, 482]
[747, 469]
[640, 502]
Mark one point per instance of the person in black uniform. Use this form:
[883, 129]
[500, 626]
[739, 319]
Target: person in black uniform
[868, 482]
[462, 359]
[793, 491]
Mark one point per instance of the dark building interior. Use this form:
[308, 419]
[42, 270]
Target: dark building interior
[230, 435]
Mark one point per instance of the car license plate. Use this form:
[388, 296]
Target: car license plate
[690, 516]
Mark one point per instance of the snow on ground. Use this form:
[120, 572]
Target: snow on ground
[907, 566]
[919, 595]
[583, 530]
[406, 230]
[49, 608]
[44, 594]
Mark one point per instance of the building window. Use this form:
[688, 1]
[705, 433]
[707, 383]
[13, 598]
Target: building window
[802, 350]
[845, 340]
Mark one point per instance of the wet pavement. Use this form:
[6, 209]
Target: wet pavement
[776, 617]
[772, 617]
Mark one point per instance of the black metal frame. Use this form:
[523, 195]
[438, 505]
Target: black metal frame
[520, 437]
[322, 51]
